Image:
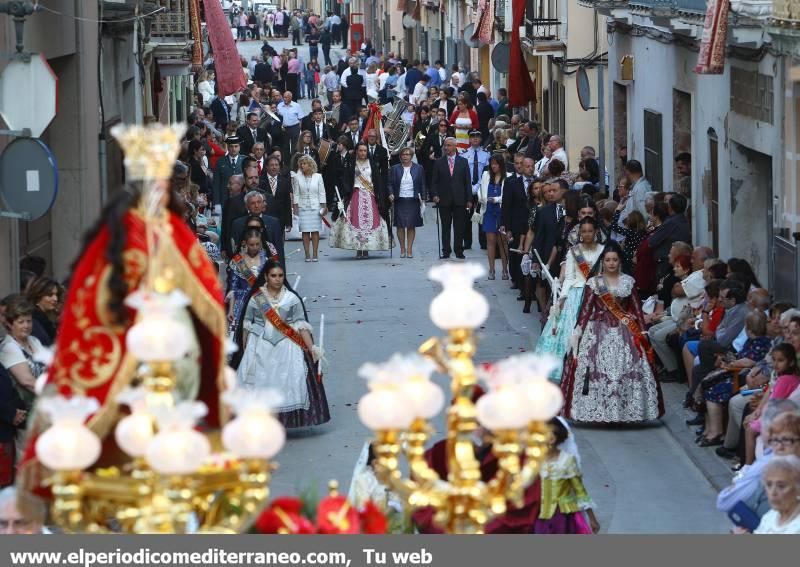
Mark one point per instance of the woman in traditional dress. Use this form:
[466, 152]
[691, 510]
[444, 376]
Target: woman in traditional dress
[278, 351]
[579, 265]
[608, 376]
[406, 190]
[464, 119]
[243, 270]
[362, 227]
[310, 204]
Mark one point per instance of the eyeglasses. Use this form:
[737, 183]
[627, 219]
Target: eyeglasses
[783, 441]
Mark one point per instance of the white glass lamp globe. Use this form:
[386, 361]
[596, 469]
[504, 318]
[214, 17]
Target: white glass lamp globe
[458, 306]
[502, 409]
[544, 399]
[134, 434]
[68, 445]
[178, 451]
[426, 397]
[158, 337]
[384, 409]
[255, 434]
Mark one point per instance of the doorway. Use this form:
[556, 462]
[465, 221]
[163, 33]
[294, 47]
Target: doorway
[620, 102]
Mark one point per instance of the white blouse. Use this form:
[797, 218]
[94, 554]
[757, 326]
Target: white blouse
[407, 184]
[309, 192]
[365, 169]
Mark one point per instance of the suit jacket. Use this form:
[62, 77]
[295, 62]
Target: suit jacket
[396, 177]
[274, 129]
[381, 159]
[10, 402]
[546, 231]
[327, 133]
[515, 206]
[199, 177]
[452, 190]
[221, 113]
[335, 176]
[279, 205]
[246, 136]
[535, 149]
[233, 208]
[345, 112]
[432, 143]
[222, 173]
[272, 229]
[263, 74]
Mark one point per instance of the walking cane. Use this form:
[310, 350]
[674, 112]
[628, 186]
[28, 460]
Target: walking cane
[391, 232]
[438, 236]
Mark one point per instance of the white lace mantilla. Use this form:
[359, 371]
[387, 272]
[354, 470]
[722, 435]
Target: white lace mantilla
[624, 286]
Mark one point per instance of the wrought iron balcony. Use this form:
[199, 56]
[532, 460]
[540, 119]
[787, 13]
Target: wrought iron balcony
[786, 14]
[172, 21]
[543, 28]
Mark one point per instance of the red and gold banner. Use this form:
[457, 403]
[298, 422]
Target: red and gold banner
[227, 62]
[197, 35]
[711, 60]
[521, 89]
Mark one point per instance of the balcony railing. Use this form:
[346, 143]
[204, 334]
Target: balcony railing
[691, 6]
[543, 22]
[173, 20]
[786, 13]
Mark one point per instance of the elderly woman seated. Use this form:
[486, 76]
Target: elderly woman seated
[781, 481]
[718, 386]
[782, 427]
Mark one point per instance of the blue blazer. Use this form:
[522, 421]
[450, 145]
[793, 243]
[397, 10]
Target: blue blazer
[417, 175]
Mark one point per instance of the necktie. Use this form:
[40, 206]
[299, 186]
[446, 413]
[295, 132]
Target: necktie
[559, 213]
[372, 151]
[233, 162]
[475, 168]
[272, 185]
[255, 135]
[258, 163]
[451, 161]
[319, 131]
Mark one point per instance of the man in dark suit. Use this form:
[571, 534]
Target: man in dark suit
[308, 119]
[452, 192]
[320, 130]
[221, 112]
[227, 165]
[546, 233]
[250, 133]
[233, 208]
[277, 190]
[379, 155]
[353, 131]
[255, 206]
[354, 86]
[263, 73]
[434, 147]
[340, 109]
[515, 217]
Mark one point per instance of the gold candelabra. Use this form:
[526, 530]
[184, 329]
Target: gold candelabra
[514, 412]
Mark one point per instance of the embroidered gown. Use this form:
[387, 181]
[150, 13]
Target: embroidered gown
[239, 283]
[361, 227]
[272, 360]
[608, 377]
[556, 333]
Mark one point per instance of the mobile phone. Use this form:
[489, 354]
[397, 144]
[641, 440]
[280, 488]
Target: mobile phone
[743, 516]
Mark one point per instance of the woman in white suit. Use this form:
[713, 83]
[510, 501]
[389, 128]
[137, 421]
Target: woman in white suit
[309, 203]
[490, 197]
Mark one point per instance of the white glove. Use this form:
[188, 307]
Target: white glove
[575, 339]
[341, 207]
[317, 353]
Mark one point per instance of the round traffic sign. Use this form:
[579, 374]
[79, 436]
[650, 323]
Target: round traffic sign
[28, 177]
[28, 94]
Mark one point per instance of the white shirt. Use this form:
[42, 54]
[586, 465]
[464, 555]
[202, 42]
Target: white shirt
[291, 113]
[561, 156]
[637, 198]
[347, 72]
[420, 93]
[407, 184]
[769, 525]
[443, 74]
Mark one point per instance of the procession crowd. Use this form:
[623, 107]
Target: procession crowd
[625, 301]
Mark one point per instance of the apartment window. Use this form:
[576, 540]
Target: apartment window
[557, 112]
[653, 154]
[752, 94]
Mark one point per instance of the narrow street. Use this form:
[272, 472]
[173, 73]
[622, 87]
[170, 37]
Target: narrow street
[640, 478]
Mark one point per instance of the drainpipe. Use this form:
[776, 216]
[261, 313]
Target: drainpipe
[137, 73]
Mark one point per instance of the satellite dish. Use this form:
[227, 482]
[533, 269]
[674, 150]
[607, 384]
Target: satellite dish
[28, 178]
[501, 57]
[409, 22]
[468, 33]
[584, 91]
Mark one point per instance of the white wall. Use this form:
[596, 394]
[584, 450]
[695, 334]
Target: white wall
[661, 67]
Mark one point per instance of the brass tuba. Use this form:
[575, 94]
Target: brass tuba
[399, 131]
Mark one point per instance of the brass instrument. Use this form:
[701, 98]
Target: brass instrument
[332, 118]
[397, 130]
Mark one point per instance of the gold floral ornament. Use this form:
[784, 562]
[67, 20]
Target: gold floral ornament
[150, 151]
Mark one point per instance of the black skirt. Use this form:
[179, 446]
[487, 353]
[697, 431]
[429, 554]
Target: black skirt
[406, 212]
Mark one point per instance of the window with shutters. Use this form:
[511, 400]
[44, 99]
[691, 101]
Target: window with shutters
[752, 94]
[653, 154]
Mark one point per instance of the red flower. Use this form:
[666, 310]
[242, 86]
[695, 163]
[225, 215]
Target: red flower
[283, 517]
[335, 515]
[373, 520]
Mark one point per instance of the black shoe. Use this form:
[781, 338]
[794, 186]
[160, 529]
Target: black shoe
[460, 256]
[696, 420]
[726, 453]
[671, 376]
[700, 430]
[520, 297]
[712, 442]
[445, 256]
[526, 309]
[514, 286]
